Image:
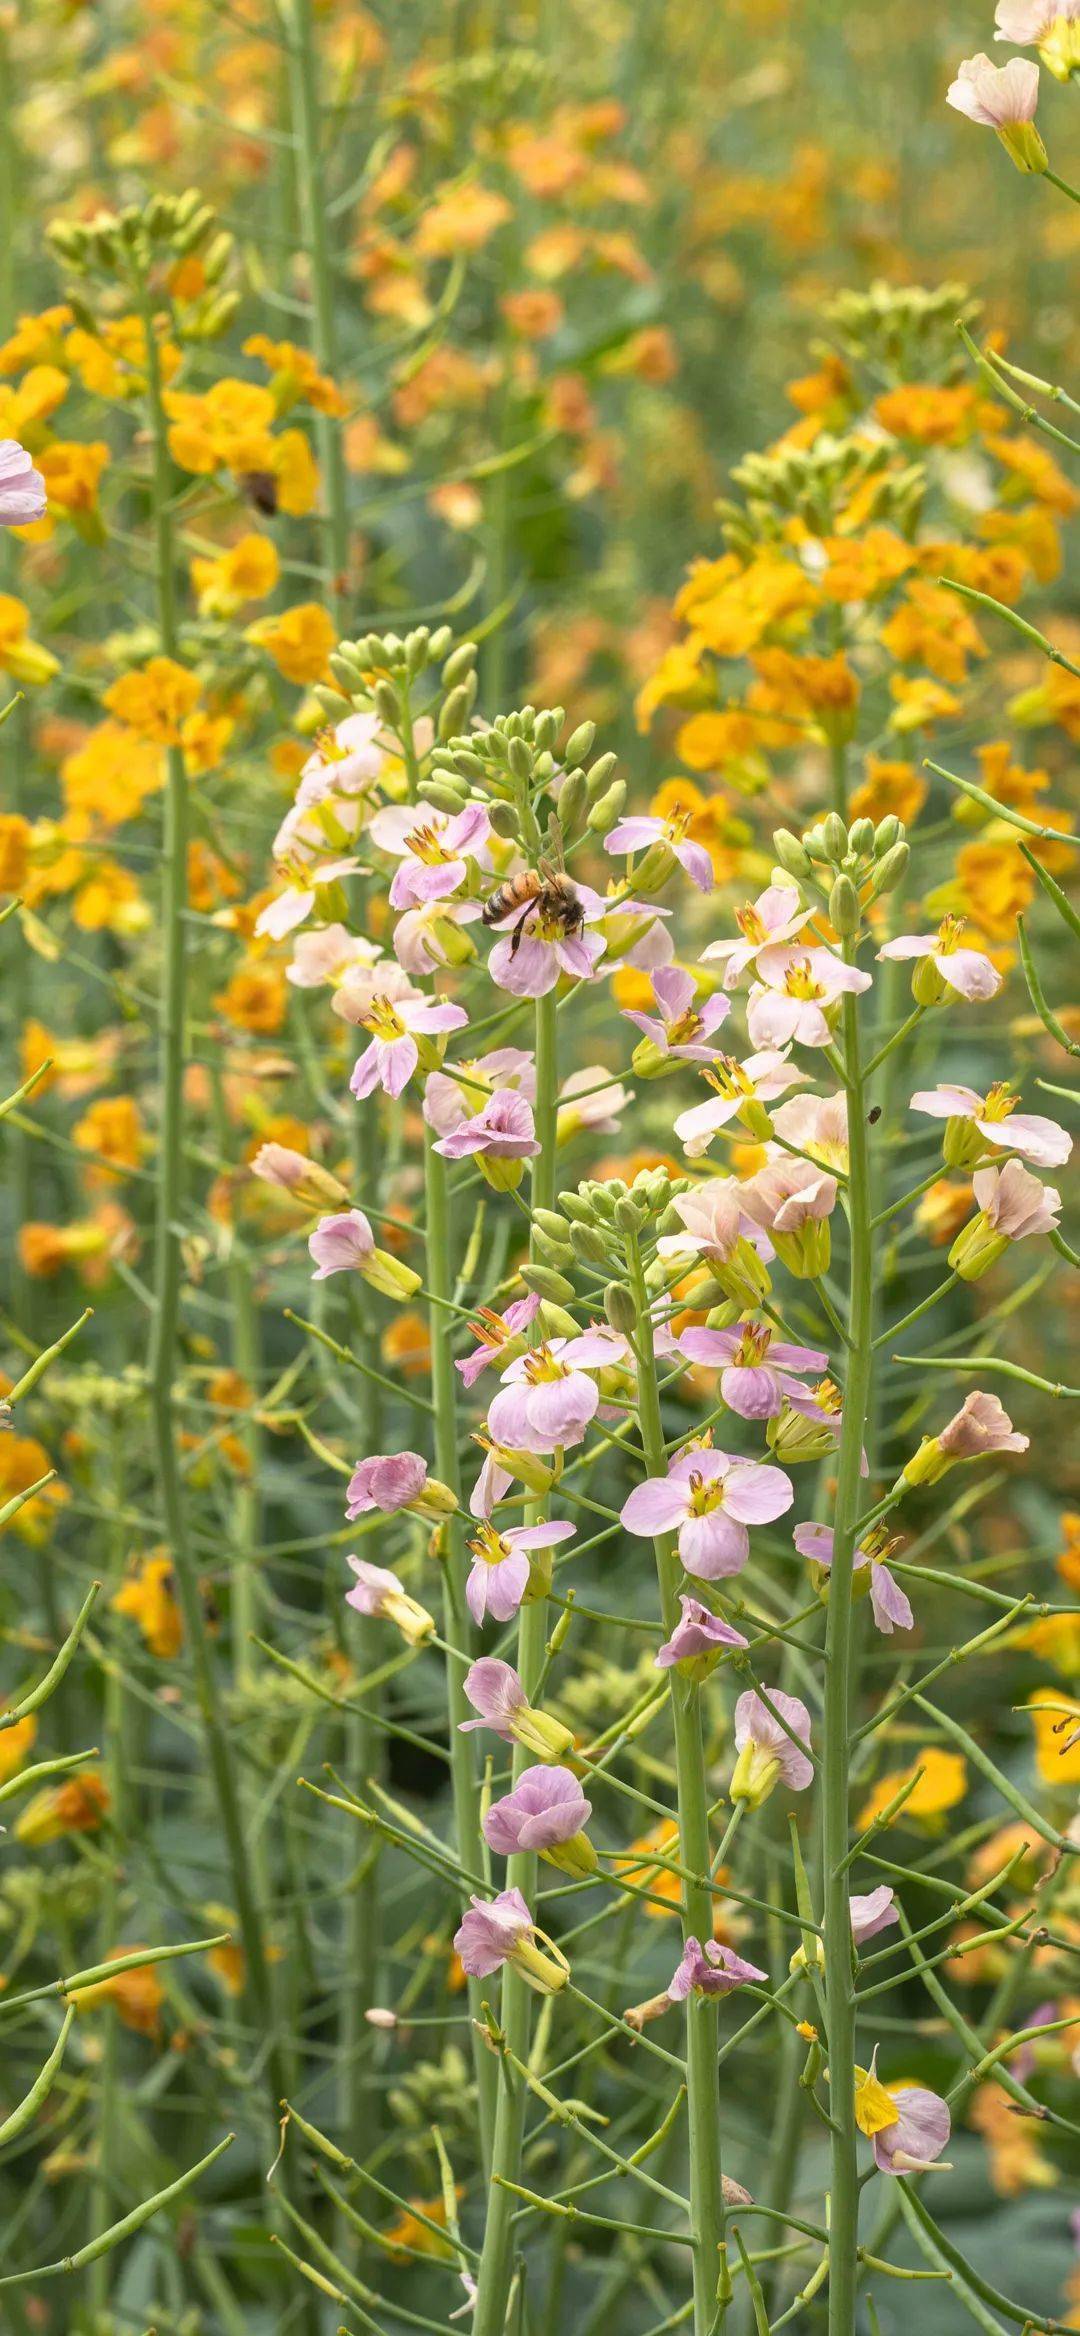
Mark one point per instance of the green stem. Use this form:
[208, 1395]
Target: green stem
[496, 2261]
[839, 1634]
[312, 206]
[711, 2285]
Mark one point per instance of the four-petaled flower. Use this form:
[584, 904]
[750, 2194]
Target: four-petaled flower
[777, 915]
[501, 1566]
[640, 832]
[891, 1609]
[396, 1025]
[711, 1969]
[682, 1030]
[795, 991]
[709, 1499]
[756, 1369]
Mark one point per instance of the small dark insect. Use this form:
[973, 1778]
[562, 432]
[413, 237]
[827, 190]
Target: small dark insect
[260, 488]
[547, 890]
[872, 1117]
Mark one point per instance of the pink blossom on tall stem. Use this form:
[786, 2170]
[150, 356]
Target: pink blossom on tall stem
[529, 959]
[503, 1132]
[396, 1025]
[942, 965]
[396, 1480]
[993, 1117]
[1027, 22]
[793, 1201]
[1002, 98]
[500, 1930]
[755, 1367]
[681, 1031]
[907, 2125]
[377, 1591]
[341, 1244]
[640, 833]
[697, 1641]
[347, 761]
[23, 495]
[495, 1333]
[434, 850]
[891, 1609]
[776, 915]
[501, 1566]
[872, 1914]
[715, 1221]
[770, 1752]
[711, 1969]
[326, 957]
[794, 993]
[708, 1499]
[449, 1102]
[1013, 1206]
[548, 1395]
[293, 1172]
[980, 1428]
[816, 1125]
[496, 1693]
[589, 1099]
[293, 905]
[740, 1091]
[432, 935]
[547, 1812]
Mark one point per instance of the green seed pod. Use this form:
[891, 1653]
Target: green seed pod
[580, 743]
[792, 855]
[620, 1309]
[844, 912]
[443, 795]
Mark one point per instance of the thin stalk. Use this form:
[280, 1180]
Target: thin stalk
[515, 2018]
[303, 60]
[839, 1635]
[711, 2283]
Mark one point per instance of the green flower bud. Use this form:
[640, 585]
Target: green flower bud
[386, 702]
[439, 643]
[792, 855]
[892, 868]
[861, 838]
[620, 1309]
[544, 1280]
[573, 799]
[597, 778]
[588, 1245]
[580, 743]
[608, 809]
[836, 838]
[844, 910]
[454, 712]
[887, 833]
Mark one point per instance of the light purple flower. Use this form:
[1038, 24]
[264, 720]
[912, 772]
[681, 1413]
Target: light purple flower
[697, 1641]
[530, 959]
[501, 1568]
[980, 1427]
[776, 915]
[755, 1367]
[376, 1591]
[395, 1026]
[740, 1091]
[921, 2131]
[995, 96]
[768, 1754]
[432, 936]
[325, 957]
[639, 833]
[817, 1125]
[545, 1812]
[388, 1481]
[495, 1334]
[681, 1030]
[548, 1396]
[364, 984]
[876, 1912]
[492, 1929]
[993, 1117]
[23, 496]
[794, 992]
[711, 1969]
[341, 1244]
[891, 1609]
[449, 1102]
[503, 1130]
[347, 761]
[495, 1691]
[434, 850]
[967, 972]
[708, 1498]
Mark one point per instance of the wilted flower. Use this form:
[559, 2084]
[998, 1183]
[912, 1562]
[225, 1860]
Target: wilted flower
[22, 489]
[546, 1812]
[708, 1499]
[981, 1427]
[346, 1244]
[137, 1994]
[755, 1368]
[697, 1641]
[1012, 1206]
[379, 1592]
[495, 1691]
[500, 1930]
[942, 965]
[891, 1609]
[78, 1805]
[777, 915]
[1002, 98]
[711, 1969]
[295, 1174]
[397, 1480]
[768, 1754]
[876, 1912]
[502, 1570]
[908, 2125]
[794, 994]
[973, 1121]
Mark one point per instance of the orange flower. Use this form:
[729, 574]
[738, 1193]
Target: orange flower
[299, 640]
[110, 901]
[1068, 1563]
[247, 570]
[941, 1786]
[932, 413]
[16, 1745]
[943, 1210]
[461, 217]
[406, 1345]
[14, 851]
[532, 314]
[148, 1597]
[919, 702]
[1016, 2162]
[78, 1805]
[154, 699]
[255, 998]
[932, 628]
[137, 1994]
[862, 567]
[994, 886]
[895, 788]
[296, 376]
[23, 1462]
[112, 1128]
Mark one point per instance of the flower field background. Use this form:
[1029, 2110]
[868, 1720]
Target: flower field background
[540, 685]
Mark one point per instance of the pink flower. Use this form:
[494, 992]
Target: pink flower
[917, 2132]
[495, 1691]
[434, 849]
[639, 833]
[293, 906]
[681, 1031]
[995, 96]
[431, 935]
[817, 1125]
[363, 983]
[941, 963]
[795, 989]
[395, 1025]
[500, 1930]
[590, 1099]
[1028, 22]
[1014, 1202]
[341, 1244]
[294, 1173]
[376, 1591]
[992, 1116]
[324, 957]
[548, 1397]
[981, 1426]
[708, 1498]
[697, 1641]
[891, 1609]
[530, 959]
[501, 1568]
[715, 1222]
[495, 1333]
[873, 1914]
[347, 761]
[449, 1102]
[388, 1481]
[23, 496]
[755, 1369]
[741, 1090]
[503, 1130]
[547, 1813]
[770, 1754]
[711, 1969]
[776, 915]
[792, 1201]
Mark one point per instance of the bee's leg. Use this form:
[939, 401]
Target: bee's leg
[515, 942]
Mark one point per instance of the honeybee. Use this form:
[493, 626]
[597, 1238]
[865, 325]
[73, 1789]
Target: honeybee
[547, 890]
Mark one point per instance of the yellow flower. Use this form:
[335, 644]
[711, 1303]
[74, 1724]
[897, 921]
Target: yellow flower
[247, 570]
[16, 1745]
[72, 474]
[137, 1994]
[227, 428]
[861, 567]
[932, 628]
[23, 658]
[895, 788]
[1032, 467]
[1068, 1563]
[994, 885]
[943, 1783]
[23, 1462]
[875, 2108]
[25, 409]
[677, 681]
[76, 1806]
[204, 739]
[14, 851]
[1055, 1717]
[36, 339]
[919, 701]
[110, 901]
[111, 360]
[461, 217]
[255, 998]
[113, 1128]
[296, 376]
[930, 412]
[299, 640]
[107, 779]
[154, 698]
[147, 1596]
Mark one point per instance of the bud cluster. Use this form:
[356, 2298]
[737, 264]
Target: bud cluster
[519, 759]
[125, 247]
[863, 861]
[814, 485]
[905, 331]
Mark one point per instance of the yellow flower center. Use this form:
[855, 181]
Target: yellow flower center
[827, 1396]
[541, 1365]
[1000, 1100]
[753, 1345]
[706, 1494]
[729, 1078]
[488, 1545]
[689, 1026]
[949, 932]
[382, 1021]
[425, 844]
[799, 981]
[750, 925]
